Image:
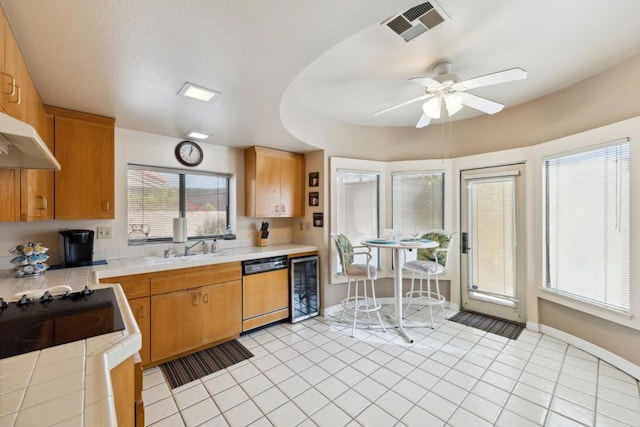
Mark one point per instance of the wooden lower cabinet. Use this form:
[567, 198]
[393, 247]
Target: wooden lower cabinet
[185, 309]
[221, 311]
[123, 384]
[175, 323]
[141, 309]
[189, 319]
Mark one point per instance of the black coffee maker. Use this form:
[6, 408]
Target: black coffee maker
[76, 248]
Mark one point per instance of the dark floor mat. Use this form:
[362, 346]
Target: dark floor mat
[197, 365]
[494, 325]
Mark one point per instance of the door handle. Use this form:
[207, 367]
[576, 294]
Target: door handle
[464, 243]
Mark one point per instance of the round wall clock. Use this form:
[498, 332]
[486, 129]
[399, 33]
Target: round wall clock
[189, 153]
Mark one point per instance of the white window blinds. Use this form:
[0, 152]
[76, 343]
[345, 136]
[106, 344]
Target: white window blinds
[586, 224]
[157, 195]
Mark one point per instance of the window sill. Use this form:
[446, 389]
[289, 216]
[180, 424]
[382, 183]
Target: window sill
[611, 315]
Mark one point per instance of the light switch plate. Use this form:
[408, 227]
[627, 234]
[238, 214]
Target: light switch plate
[103, 232]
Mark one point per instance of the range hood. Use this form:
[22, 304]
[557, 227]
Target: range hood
[22, 148]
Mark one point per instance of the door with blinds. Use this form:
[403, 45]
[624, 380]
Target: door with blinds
[492, 241]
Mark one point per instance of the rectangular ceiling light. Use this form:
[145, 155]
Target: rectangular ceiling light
[196, 135]
[198, 92]
[417, 20]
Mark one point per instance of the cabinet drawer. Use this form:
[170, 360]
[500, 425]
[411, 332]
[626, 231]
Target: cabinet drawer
[135, 286]
[186, 278]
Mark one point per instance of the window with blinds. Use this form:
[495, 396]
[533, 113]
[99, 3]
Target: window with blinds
[418, 204]
[586, 224]
[157, 195]
[358, 207]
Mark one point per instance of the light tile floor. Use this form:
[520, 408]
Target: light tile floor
[314, 373]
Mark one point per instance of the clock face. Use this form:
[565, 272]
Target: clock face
[189, 153]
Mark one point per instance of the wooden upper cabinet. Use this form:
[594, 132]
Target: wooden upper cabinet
[9, 195]
[274, 183]
[37, 186]
[14, 77]
[84, 147]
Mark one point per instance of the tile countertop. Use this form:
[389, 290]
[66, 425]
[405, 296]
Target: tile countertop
[74, 279]
[70, 384]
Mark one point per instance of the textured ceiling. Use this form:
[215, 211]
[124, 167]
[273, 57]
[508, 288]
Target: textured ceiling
[128, 59]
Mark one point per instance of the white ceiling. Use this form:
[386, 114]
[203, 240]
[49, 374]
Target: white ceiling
[128, 59]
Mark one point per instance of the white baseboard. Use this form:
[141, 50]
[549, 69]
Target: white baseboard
[601, 353]
[533, 326]
[452, 306]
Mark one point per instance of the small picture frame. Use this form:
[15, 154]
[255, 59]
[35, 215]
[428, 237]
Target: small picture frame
[314, 179]
[318, 219]
[314, 198]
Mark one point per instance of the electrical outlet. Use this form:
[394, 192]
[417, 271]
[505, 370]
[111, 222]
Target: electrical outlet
[104, 232]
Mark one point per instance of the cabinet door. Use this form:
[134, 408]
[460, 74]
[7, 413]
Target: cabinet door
[267, 194]
[175, 323]
[13, 87]
[36, 186]
[84, 188]
[9, 195]
[141, 309]
[291, 185]
[221, 311]
[264, 293]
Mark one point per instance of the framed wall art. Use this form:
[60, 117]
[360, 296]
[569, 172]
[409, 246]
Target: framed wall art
[314, 179]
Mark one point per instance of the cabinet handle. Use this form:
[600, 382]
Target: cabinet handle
[194, 302]
[19, 100]
[282, 209]
[141, 313]
[13, 84]
[276, 208]
[105, 206]
[205, 298]
[43, 204]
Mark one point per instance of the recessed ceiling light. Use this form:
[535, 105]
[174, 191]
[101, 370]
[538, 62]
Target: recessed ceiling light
[197, 135]
[198, 92]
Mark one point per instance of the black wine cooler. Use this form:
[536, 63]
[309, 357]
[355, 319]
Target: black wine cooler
[305, 287]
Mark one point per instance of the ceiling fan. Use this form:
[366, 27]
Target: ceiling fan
[447, 94]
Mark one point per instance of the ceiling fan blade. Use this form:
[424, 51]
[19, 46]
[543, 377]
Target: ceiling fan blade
[424, 121]
[480, 104]
[492, 79]
[427, 82]
[402, 104]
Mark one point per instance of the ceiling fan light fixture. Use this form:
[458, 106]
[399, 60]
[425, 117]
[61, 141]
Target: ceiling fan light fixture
[432, 107]
[453, 101]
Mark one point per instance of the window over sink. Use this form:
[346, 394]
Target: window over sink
[157, 195]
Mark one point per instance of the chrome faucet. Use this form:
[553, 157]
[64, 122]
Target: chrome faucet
[187, 248]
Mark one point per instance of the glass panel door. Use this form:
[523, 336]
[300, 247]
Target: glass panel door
[491, 223]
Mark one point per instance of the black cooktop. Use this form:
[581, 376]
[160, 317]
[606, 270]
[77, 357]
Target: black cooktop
[30, 325]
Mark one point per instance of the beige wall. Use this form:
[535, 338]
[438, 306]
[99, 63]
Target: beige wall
[621, 340]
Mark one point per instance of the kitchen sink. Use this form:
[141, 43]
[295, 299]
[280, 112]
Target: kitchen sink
[182, 258]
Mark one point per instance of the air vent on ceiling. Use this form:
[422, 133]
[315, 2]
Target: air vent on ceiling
[417, 20]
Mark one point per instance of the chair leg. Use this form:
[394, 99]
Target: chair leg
[410, 294]
[420, 293]
[355, 312]
[366, 300]
[376, 305]
[430, 299]
[344, 309]
[440, 298]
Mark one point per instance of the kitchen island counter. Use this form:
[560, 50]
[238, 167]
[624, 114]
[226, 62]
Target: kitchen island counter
[68, 384]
